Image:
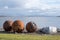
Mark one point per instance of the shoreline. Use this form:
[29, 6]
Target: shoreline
[24, 32]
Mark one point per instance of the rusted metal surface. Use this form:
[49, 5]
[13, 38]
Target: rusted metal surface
[7, 26]
[31, 27]
[18, 26]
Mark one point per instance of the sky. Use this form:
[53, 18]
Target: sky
[30, 7]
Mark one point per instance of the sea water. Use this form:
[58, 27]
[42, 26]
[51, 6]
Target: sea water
[40, 21]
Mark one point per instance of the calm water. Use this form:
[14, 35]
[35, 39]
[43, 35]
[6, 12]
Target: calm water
[40, 21]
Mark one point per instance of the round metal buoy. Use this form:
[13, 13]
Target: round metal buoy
[31, 27]
[7, 26]
[18, 26]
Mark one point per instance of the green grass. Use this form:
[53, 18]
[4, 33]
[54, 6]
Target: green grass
[28, 37]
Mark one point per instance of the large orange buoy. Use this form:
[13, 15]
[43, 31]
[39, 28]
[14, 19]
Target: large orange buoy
[31, 27]
[7, 26]
[18, 26]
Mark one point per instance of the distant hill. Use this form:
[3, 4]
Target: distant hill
[58, 16]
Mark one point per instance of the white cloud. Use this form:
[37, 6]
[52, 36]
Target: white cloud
[35, 4]
[31, 4]
[30, 10]
[6, 7]
[42, 5]
[39, 4]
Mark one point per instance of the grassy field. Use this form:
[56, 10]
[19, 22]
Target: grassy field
[28, 37]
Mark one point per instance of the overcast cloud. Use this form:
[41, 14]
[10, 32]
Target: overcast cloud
[30, 7]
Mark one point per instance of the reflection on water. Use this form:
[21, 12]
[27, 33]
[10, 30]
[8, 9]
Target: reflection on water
[40, 21]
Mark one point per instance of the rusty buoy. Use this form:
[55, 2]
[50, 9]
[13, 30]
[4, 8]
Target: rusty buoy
[18, 26]
[7, 26]
[31, 27]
